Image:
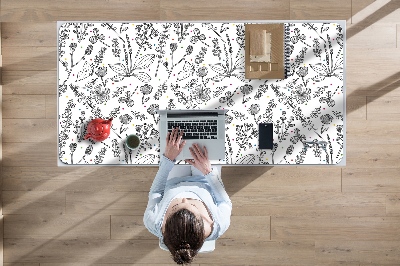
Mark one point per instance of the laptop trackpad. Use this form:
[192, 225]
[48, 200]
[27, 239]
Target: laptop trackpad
[186, 154]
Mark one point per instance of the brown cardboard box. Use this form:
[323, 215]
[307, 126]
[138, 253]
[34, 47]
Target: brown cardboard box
[264, 51]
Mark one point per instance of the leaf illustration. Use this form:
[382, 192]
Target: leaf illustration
[117, 78]
[124, 27]
[219, 68]
[119, 68]
[143, 77]
[320, 68]
[324, 28]
[188, 66]
[218, 78]
[247, 159]
[240, 62]
[240, 76]
[86, 71]
[186, 72]
[339, 76]
[146, 159]
[339, 64]
[144, 61]
[318, 78]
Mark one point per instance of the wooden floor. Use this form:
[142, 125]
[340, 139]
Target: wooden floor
[281, 215]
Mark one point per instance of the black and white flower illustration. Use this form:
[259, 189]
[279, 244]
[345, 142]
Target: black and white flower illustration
[231, 67]
[228, 99]
[146, 90]
[246, 90]
[197, 37]
[136, 70]
[301, 94]
[127, 99]
[100, 94]
[201, 94]
[253, 110]
[152, 110]
[297, 36]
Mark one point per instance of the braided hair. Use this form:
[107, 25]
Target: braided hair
[184, 235]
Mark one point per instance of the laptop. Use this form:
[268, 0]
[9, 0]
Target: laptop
[204, 127]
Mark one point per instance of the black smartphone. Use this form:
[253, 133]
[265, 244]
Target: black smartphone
[265, 136]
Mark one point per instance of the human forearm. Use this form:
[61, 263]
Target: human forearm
[160, 179]
[217, 186]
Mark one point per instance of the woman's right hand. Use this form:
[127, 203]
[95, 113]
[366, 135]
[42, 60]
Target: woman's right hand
[200, 159]
[174, 144]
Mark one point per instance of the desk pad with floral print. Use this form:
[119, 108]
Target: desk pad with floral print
[128, 71]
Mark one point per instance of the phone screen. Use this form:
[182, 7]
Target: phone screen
[266, 136]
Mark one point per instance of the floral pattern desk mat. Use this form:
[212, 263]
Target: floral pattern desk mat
[129, 70]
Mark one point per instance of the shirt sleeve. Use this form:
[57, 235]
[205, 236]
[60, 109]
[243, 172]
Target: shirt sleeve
[222, 199]
[156, 194]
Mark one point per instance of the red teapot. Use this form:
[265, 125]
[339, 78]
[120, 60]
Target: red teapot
[98, 129]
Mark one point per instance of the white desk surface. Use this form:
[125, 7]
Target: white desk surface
[129, 70]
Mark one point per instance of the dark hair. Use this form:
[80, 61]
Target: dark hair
[184, 235]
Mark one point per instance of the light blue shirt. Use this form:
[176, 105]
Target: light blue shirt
[209, 188]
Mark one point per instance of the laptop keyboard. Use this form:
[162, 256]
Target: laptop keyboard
[196, 129]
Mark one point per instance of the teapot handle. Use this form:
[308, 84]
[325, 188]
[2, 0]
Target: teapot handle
[107, 121]
[88, 135]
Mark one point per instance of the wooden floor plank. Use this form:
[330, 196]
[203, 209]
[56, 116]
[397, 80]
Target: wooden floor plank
[364, 252]
[249, 227]
[30, 82]
[223, 10]
[284, 179]
[85, 251]
[51, 106]
[107, 203]
[335, 228]
[147, 251]
[42, 10]
[33, 202]
[360, 155]
[373, 131]
[398, 35]
[323, 9]
[43, 62]
[357, 6]
[53, 226]
[21, 264]
[40, 130]
[128, 227]
[54, 178]
[78, 179]
[1, 236]
[356, 108]
[114, 264]
[380, 31]
[383, 108]
[309, 204]
[364, 80]
[371, 12]
[393, 204]
[381, 180]
[28, 34]
[24, 106]
[30, 154]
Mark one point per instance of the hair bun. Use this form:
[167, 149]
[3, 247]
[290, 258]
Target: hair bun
[183, 255]
[185, 245]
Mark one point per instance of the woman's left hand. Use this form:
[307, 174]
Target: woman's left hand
[174, 144]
